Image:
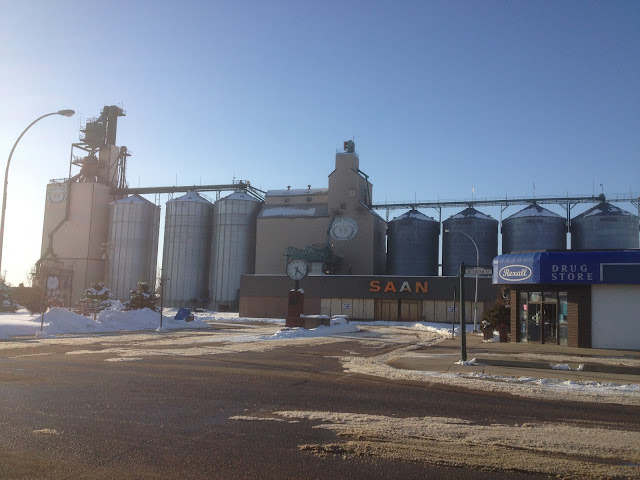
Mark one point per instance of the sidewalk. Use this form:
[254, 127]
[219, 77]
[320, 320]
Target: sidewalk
[526, 360]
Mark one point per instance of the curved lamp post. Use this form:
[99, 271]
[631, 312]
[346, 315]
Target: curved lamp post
[64, 113]
[475, 301]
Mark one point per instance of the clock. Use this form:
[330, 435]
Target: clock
[296, 269]
[344, 228]
[57, 194]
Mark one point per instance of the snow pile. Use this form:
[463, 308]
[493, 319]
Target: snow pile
[58, 321]
[338, 325]
[226, 317]
[468, 363]
[438, 328]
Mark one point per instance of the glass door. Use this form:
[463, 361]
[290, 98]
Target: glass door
[562, 318]
[535, 321]
[550, 317]
[523, 318]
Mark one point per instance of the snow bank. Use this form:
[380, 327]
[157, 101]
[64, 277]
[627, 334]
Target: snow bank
[59, 321]
[338, 325]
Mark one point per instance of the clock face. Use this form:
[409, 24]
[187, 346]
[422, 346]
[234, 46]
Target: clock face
[296, 269]
[344, 228]
[57, 194]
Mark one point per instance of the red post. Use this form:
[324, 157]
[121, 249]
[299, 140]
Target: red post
[295, 307]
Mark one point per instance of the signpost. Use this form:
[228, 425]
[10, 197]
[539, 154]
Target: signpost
[463, 327]
[480, 271]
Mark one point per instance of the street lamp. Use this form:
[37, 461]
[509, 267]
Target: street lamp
[64, 113]
[475, 301]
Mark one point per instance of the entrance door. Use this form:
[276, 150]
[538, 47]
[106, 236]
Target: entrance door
[550, 317]
[388, 310]
[535, 321]
[538, 319]
[410, 311]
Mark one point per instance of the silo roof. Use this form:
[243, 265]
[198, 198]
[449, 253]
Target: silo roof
[133, 199]
[604, 208]
[534, 211]
[240, 196]
[190, 197]
[471, 213]
[414, 214]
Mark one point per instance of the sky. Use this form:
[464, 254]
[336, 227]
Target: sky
[442, 98]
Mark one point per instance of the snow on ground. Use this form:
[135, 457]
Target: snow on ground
[226, 317]
[59, 321]
[263, 334]
[532, 387]
[337, 326]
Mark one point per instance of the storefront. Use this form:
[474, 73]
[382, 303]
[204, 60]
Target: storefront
[580, 299]
[365, 297]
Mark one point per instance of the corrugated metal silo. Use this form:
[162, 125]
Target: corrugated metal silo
[233, 245]
[185, 259]
[132, 245]
[458, 248]
[605, 227]
[412, 245]
[534, 228]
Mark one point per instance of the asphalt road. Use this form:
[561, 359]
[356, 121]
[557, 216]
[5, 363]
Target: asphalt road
[80, 417]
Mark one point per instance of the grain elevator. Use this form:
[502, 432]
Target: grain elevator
[76, 219]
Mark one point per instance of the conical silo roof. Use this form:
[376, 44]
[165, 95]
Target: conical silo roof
[603, 208]
[190, 197]
[534, 211]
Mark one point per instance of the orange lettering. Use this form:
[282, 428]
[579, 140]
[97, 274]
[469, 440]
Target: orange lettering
[390, 287]
[374, 286]
[422, 287]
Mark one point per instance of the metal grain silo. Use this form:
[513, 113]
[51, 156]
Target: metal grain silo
[233, 248]
[534, 228]
[185, 260]
[604, 227]
[458, 247]
[132, 245]
[412, 245]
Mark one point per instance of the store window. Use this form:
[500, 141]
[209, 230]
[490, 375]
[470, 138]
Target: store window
[542, 317]
[522, 317]
[562, 318]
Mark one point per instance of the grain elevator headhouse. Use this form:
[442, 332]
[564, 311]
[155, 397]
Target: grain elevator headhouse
[333, 229]
[76, 221]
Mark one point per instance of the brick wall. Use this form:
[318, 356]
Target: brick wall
[513, 301]
[274, 307]
[579, 316]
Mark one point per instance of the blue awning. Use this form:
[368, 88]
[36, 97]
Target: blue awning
[604, 267]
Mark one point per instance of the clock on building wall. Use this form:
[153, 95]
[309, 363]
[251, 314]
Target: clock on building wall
[344, 228]
[297, 269]
[57, 194]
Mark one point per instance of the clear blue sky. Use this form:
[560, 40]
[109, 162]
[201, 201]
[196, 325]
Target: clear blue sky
[439, 96]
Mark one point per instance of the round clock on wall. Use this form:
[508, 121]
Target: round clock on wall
[57, 194]
[297, 269]
[344, 228]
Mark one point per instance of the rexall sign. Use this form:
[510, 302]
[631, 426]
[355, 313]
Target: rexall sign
[515, 273]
